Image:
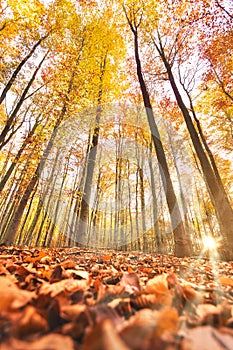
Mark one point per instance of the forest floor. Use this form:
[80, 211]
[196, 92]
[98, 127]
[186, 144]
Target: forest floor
[71, 299]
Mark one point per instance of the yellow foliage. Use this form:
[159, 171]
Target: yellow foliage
[29, 10]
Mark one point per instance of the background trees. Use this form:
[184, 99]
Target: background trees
[77, 163]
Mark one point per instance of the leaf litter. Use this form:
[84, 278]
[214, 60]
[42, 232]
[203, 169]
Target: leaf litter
[79, 299]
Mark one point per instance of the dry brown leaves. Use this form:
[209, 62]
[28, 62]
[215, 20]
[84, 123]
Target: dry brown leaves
[55, 299]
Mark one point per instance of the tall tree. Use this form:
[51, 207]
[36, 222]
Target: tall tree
[134, 15]
[168, 55]
[12, 229]
[105, 65]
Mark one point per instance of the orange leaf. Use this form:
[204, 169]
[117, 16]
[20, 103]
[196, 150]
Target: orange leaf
[190, 294]
[129, 269]
[226, 281]
[158, 284]
[11, 297]
[106, 257]
[68, 264]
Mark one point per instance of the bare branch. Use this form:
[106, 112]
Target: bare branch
[223, 9]
[222, 84]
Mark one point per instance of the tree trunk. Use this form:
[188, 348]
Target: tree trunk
[154, 204]
[91, 158]
[129, 205]
[143, 207]
[16, 159]
[218, 196]
[138, 238]
[84, 206]
[182, 242]
[12, 229]
[19, 67]
[13, 115]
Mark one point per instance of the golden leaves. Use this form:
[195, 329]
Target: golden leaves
[31, 11]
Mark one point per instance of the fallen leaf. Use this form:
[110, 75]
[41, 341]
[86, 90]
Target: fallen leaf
[226, 281]
[203, 309]
[67, 285]
[167, 321]
[72, 312]
[152, 301]
[104, 337]
[79, 274]
[139, 329]
[106, 257]
[68, 264]
[56, 274]
[130, 282]
[3, 270]
[37, 256]
[206, 338]
[11, 297]
[30, 322]
[47, 342]
[156, 285]
[191, 295]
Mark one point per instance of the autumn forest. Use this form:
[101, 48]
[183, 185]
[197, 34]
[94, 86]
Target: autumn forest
[116, 175]
[116, 125]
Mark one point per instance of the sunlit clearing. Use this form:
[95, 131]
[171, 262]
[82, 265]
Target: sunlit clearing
[209, 243]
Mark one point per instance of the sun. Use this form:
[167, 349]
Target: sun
[209, 243]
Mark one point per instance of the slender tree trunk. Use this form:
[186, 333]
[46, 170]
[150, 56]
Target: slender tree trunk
[79, 190]
[49, 237]
[85, 201]
[118, 188]
[182, 196]
[48, 193]
[7, 214]
[129, 206]
[218, 196]
[27, 239]
[105, 237]
[13, 115]
[12, 229]
[84, 209]
[122, 229]
[154, 204]
[203, 139]
[19, 67]
[23, 229]
[111, 238]
[14, 200]
[16, 159]
[70, 213]
[143, 207]
[182, 243]
[137, 210]
[94, 214]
